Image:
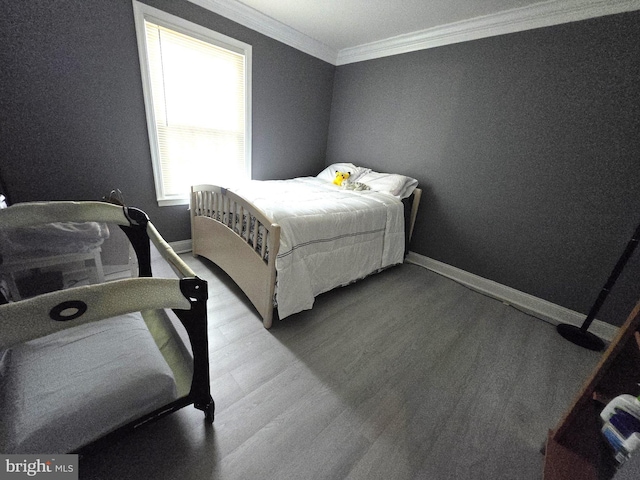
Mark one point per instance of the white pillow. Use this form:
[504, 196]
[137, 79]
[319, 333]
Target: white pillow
[329, 173]
[399, 186]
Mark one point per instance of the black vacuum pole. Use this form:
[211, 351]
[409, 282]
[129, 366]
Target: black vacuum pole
[580, 336]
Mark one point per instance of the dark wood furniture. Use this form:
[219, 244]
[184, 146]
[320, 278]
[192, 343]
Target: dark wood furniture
[576, 449]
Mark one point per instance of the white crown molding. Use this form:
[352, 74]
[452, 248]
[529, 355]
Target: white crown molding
[261, 23]
[529, 304]
[538, 15]
[545, 14]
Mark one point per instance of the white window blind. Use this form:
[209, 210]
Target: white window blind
[199, 109]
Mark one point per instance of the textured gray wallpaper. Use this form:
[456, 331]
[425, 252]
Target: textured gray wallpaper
[527, 146]
[72, 121]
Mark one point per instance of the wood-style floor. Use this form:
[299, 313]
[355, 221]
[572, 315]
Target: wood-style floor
[403, 375]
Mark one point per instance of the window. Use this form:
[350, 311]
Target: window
[197, 91]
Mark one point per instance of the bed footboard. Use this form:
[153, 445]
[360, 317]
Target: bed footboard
[240, 239]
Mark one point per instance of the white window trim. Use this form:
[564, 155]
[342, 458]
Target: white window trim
[142, 12]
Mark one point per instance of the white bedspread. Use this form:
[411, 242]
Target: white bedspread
[329, 236]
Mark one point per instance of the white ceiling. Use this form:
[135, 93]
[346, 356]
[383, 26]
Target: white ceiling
[341, 24]
[344, 31]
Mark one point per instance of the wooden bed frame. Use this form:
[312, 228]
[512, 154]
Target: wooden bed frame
[251, 264]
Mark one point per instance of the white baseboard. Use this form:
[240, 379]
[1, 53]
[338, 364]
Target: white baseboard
[535, 306]
[181, 246]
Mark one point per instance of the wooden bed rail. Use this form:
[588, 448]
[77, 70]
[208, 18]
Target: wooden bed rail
[239, 238]
[236, 213]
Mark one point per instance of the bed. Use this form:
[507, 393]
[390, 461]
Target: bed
[284, 242]
[83, 364]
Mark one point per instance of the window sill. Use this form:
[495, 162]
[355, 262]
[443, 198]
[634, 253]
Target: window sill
[170, 202]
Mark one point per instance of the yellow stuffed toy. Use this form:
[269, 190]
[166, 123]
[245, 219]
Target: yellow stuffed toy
[341, 177]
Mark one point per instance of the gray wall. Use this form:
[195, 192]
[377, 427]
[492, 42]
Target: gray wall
[527, 146]
[72, 122]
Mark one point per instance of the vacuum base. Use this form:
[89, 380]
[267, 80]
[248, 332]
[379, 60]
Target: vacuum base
[580, 337]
